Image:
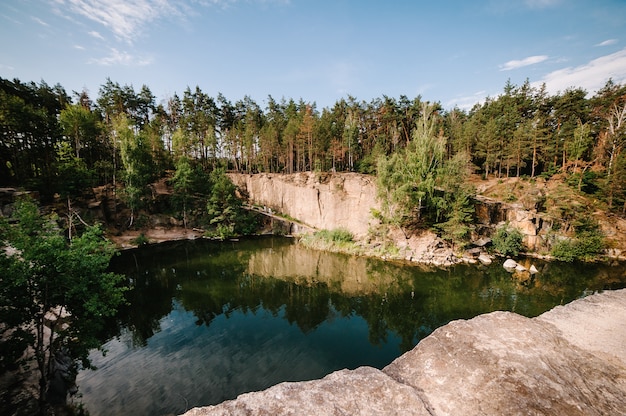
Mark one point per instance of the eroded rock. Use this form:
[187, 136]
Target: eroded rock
[364, 391]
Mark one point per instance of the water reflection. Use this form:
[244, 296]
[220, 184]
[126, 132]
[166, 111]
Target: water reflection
[207, 321]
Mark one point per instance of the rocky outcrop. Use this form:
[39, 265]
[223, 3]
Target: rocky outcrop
[489, 213]
[346, 200]
[569, 361]
[320, 200]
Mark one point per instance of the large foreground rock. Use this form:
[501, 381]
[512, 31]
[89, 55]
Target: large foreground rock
[568, 361]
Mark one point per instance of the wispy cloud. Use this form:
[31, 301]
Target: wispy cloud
[124, 58]
[607, 42]
[79, 47]
[468, 101]
[125, 18]
[41, 22]
[96, 35]
[591, 76]
[515, 64]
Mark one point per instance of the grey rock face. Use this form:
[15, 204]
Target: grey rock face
[568, 361]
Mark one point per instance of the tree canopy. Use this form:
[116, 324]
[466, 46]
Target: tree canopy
[523, 131]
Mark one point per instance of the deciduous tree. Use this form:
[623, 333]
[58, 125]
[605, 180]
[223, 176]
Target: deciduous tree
[44, 273]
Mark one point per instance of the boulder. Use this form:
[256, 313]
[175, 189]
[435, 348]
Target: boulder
[568, 361]
[485, 259]
[510, 265]
[365, 390]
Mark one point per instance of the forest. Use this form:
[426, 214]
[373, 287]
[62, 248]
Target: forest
[57, 143]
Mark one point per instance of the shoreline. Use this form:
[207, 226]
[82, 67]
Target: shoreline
[160, 234]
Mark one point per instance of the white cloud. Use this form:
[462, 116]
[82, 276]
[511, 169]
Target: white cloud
[607, 42]
[591, 76]
[79, 47]
[41, 22]
[467, 102]
[125, 18]
[515, 64]
[121, 58]
[96, 35]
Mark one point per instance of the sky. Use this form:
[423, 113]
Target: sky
[455, 52]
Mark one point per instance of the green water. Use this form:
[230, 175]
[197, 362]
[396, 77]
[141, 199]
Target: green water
[207, 321]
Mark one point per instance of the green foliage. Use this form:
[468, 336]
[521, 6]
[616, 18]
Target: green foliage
[137, 163]
[73, 176]
[406, 180]
[49, 272]
[419, 183]
[507, 240]
[141, 240]
[587, 182]
[225, 211]
[587, 245]
[183, 182]
[338, 239]
[336, 235]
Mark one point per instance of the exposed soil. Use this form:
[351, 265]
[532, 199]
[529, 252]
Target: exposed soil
[155, 235]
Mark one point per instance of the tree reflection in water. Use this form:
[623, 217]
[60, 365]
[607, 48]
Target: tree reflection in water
[223, 318]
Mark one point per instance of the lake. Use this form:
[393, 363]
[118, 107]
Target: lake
[207, 321]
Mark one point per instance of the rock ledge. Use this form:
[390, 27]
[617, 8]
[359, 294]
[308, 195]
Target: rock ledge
[568, 361]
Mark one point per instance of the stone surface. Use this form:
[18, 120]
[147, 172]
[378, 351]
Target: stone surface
[569, 361]
[485, 259]
[505, 364]
[510, 264]
[364, 391]
[596, 323]
[319, 200]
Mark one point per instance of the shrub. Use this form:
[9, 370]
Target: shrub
[508, 240]
[338, 239]
[564, 250]
[140, 240]
[337, 235]
[586, 246]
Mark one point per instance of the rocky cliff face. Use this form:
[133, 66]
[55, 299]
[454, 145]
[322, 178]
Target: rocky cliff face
[346, 200]
[569, 361]
[320, 200]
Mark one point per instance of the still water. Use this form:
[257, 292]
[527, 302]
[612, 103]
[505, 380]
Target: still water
[207, 321]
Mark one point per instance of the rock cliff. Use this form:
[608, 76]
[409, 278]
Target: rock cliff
[320, 200]
[346, 200]
[569, 361]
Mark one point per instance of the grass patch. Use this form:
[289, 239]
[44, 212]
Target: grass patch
[338, 239]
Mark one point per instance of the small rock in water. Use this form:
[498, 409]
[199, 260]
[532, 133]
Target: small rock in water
[510, 265]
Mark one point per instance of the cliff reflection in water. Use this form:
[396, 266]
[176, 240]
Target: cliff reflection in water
[207, 321]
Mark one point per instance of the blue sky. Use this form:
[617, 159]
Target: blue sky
[455, 52]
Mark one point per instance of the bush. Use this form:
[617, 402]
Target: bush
[140, 240]
[585, 247]
[338, 239]
[508, 240]
[564, 250]
[337, 235]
